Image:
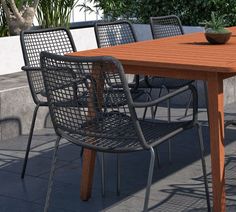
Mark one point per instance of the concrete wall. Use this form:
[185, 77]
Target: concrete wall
[11, 54]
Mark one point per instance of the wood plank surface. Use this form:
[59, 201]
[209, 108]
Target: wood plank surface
[186, 52]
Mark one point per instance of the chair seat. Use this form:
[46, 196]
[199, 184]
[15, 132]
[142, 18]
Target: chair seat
[116, 133]
[169, 83]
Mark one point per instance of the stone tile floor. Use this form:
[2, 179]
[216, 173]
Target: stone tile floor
[176, 187]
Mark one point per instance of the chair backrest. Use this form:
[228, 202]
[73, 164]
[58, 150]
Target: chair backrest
[166, 26]
[114, 33]
[54, 40]
[89, 97]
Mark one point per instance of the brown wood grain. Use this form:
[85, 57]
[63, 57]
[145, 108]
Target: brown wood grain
[216, 115]
[181, 53]
[184, 57]
[86, 183]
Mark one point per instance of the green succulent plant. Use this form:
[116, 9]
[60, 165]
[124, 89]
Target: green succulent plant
[216, 24]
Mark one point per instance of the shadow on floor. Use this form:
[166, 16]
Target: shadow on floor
[176, 187]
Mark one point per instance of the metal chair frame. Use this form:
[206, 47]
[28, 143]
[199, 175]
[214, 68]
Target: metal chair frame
[66, 77]
[55, 40]
[113, 34]
[162, 27]
[127, 35]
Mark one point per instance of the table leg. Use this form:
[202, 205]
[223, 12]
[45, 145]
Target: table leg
[216, 115]
[89, 157]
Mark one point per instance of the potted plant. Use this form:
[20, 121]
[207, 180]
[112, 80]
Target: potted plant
[215, 32]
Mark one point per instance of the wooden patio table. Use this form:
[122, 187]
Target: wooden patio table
[186, 57]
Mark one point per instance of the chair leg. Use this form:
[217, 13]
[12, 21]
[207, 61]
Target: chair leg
[158, 158]
[149, 181]
[81, 152]
[29, 141]
[159, 95]
[103, 173]
[118, 175]
[188, 106]
[204, 167]
[206, 99]
[149, 98]
[52, 172]
[169, 120]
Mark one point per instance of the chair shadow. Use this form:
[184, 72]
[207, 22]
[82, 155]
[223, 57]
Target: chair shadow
[191, 197]
[183, 197]
[11, 121]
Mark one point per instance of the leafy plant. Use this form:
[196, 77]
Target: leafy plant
[19, 14]
[55, 13]
[190, 12]
[113, 9]
[3, 23]
[216, 24]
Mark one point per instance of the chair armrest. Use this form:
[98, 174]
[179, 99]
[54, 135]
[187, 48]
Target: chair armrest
[164, 98]
[171, 95]
[28, 68]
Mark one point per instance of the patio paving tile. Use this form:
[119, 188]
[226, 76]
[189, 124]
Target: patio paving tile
[176, 187]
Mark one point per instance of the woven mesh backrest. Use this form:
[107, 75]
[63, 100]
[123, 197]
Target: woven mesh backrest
[113, 34]
[166, 26]
[86, 97]
[57, 40]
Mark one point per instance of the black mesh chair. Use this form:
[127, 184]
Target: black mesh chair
[55, 40]
[113, 130]
[117, 33]
[162, 27]
[113, 34]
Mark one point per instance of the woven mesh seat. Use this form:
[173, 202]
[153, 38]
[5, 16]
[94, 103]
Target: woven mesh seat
[104, 116]
[117, 137]
[54, 40]
[101, 127]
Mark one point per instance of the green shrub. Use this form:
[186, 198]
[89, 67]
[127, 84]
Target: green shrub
[3, 23]
[190, 12]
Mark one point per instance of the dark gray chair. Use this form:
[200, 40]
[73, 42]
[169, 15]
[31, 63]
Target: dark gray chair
[162, 27]
[54, 40]
[117, 33]
[117, 130]
[113, 34]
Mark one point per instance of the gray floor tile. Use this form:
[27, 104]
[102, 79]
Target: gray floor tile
[176, 187]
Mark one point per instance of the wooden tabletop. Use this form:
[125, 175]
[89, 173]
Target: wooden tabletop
[192, 51]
